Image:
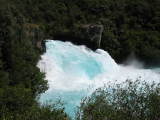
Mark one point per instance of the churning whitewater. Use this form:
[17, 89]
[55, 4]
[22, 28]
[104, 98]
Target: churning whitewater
[75, 71]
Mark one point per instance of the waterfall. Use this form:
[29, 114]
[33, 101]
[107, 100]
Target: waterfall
[75, 71]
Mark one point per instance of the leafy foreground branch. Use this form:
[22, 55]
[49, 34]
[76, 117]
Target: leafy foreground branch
[45, 112]
[129, 101]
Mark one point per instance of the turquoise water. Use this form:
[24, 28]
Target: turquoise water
[74, 72]
[70, 99]
[72, 59]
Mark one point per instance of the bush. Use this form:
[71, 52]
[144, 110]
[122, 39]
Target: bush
[130, 101]
[44, 112]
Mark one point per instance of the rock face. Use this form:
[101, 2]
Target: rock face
[35, 34]
[85, 34]
[93, 34]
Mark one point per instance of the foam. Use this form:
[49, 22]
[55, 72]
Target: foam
[75, 71]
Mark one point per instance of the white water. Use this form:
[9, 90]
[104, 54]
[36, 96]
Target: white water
[75, 71]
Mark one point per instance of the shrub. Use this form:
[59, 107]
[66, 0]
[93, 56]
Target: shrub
[129, 101]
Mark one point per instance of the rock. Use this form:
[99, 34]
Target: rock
[35, 34]
[93, 34]
[84, 34]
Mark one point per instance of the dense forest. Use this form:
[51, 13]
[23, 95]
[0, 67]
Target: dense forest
[130, 27]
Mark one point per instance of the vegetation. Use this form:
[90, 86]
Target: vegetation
[21, 82]
[129, 27]
[46, 112]
[132, 101]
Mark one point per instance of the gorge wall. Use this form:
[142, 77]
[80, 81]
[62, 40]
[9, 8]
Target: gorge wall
[128, 26]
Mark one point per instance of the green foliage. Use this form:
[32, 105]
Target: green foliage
[21, 82]
[129, 27]
[47, 112]
[123, 20]
[128, 101]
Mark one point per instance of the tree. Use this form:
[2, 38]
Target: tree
[128, 101]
